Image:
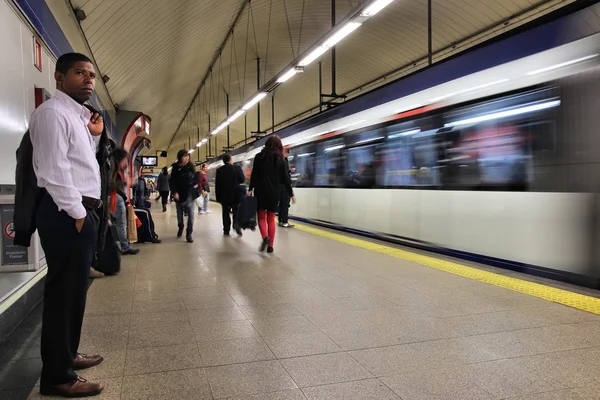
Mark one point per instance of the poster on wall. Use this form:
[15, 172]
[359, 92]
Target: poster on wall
[11, 254]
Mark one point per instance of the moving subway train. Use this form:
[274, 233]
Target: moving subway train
[501, 166]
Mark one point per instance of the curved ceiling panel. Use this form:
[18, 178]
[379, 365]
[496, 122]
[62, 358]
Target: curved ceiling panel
[157, 52]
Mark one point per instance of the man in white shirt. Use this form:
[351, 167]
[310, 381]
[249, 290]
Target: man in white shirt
[65, 136]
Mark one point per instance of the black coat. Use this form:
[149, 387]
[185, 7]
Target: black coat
[183, 179]
[268, 172]
[227, 184]
[28, 194]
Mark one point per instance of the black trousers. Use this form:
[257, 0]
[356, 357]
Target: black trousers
[164, 196]
[69, 255]
[284, 206]
[227, 207]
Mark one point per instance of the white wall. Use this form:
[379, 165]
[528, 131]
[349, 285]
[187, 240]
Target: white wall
[18, 80]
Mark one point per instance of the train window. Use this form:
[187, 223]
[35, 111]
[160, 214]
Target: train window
[493, 149]
[302, 163]
[329, 163]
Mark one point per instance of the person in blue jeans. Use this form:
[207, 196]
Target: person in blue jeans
[184, 183]
[119, 199]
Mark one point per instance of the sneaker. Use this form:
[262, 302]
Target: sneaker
[95, 274]
[189, 239]
[270, 249]
[287, 225]
[264, 244]
[202, 212]
[207, 212]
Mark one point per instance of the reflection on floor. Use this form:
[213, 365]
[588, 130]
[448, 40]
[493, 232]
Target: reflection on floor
[318, 319]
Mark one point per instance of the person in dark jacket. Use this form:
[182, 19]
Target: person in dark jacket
[141, 190]
[118, 190]
[268, 172]
[184, 183]
[163, 188]
[227, 190]
[284, 199]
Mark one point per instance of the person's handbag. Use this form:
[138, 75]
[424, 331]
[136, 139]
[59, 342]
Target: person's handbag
[131, 225]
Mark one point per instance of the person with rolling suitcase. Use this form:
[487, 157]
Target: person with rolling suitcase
[227, 190]
[268, 172]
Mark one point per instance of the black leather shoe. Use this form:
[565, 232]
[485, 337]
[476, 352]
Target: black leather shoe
[131, 252]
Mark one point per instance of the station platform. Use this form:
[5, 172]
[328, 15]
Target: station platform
[327, 316]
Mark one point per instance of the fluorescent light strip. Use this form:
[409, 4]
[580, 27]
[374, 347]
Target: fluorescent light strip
[332, 148]
[341, 34]
[507, 113]
[305, 154]
[312, 56]
[406, 133]
[369, 140]
[285, 77]
[190, 151]
[235, 116]
[374, 8]
[565, 64]
[255, 100]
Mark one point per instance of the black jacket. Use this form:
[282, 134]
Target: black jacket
[268, 172]
[227, 184]
[183, 179]
[163, 183]
[28, 194]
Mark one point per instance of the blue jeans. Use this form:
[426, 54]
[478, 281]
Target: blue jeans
[121, 222]
[188, 206]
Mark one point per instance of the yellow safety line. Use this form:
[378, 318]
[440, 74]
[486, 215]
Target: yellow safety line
[575, 300]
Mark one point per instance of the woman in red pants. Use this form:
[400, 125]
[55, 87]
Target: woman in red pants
[268, 172]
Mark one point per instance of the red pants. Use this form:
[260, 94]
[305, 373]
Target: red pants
[267, 218]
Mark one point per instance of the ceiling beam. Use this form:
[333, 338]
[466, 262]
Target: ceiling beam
[215, 58]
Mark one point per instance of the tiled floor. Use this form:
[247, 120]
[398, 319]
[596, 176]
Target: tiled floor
[316, 320]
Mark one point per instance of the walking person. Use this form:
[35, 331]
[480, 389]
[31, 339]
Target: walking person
[163, 188]
[268, 172]
[227, 190]
[65, 137]
[284, 196]
[205, 189]
[184, 184]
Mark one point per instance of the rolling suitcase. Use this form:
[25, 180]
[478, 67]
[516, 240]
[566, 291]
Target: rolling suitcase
[247, 212]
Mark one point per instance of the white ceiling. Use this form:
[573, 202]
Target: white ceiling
[156, 52]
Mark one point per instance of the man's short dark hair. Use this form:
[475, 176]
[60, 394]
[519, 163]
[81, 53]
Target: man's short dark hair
[226, 159]
[67, 60]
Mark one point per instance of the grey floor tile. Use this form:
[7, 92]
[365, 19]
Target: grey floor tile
[370, 389]
[338, 320]
[320, 306]
[294, 394]
[159, 336]
[324, 369]
[20, 374]
[150, 320]
[283, 326]
[269, 311]
[456, 351]
[159, 359]
[200, 302]
[235, 351]
[365, 302]
[203, 291]
[394, 360]
[190, 384]
[442, 384]
[224, 330]
[303, 344]
[508, 378]
[166, 295]
[257, 298]
[218, 314]
[386, 316]
[248, 379]
[157, 306]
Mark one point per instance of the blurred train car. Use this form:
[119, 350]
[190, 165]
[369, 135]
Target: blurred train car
[500, 166]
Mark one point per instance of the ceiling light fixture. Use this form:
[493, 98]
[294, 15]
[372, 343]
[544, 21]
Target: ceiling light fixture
[254, 101]
[285, 77]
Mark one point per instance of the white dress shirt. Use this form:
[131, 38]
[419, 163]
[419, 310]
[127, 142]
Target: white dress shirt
[64, 153]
